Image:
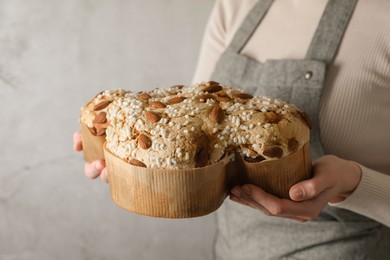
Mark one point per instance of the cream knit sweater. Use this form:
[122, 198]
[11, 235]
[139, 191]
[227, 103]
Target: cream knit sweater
[355, 109]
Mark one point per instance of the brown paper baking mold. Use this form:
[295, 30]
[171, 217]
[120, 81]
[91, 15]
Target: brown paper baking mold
[276, 176]
[167, 193]
[186, 193]
[92, 145]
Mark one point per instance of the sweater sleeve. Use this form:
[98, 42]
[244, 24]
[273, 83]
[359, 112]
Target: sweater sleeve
[225, 19]
[213, 44]
[371, 198]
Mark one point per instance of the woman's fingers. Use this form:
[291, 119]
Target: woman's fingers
[331, 173]
[238, 200]
[242, 195]
[77, 143]
[334, 179]
[94, 169]
[311, 188]
[274, 206]
[245, 200]
[271, 203]
[104, 175]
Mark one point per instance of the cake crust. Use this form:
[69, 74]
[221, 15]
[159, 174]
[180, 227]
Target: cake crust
[194, 126]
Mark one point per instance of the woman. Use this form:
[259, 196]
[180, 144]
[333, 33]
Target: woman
[331, 59]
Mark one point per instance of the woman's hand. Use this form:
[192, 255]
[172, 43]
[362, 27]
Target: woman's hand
[94, 169]
[333, 181]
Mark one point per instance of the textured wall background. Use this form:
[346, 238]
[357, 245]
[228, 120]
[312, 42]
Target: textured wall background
[54, 56]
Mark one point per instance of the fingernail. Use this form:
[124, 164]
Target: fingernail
[246, 190]
[297, 193]
[236, 192]
[99, 166]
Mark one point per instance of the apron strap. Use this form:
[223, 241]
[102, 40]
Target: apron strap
[326, 39]
[249, 25]
[330, 30]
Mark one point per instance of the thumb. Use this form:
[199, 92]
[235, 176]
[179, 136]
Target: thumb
[308, 189]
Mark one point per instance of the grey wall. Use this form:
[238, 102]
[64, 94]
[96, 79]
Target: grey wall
[54, 56]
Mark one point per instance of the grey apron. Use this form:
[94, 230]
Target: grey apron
[245, 233]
